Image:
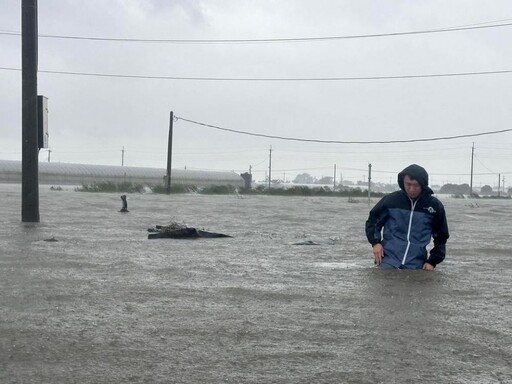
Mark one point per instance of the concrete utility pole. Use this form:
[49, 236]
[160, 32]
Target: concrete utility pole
[471, 180]
[334, 180]
[270, 167]
[30, 148]
[369, 182]
[169, 154]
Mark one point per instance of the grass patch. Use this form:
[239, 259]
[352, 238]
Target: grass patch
[177, 188]
[111, 187]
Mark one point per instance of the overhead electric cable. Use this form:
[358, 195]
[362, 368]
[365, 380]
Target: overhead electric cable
[428, 75]
[483, 165]
[343, 142]
[269, 40]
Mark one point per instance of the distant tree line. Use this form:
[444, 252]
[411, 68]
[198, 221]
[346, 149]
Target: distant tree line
[455, 189]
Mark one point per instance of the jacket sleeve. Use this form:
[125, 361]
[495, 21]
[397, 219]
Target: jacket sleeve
[376, 219]
[440, 234]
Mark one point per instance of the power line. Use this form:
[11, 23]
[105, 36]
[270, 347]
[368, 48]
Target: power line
[428, 75]
[269, 40]
[343, 142]
[483, 165]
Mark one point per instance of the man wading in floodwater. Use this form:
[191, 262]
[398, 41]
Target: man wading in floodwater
[410, 218]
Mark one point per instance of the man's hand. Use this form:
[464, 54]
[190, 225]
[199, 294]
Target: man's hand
[378, 253]
[428, 267]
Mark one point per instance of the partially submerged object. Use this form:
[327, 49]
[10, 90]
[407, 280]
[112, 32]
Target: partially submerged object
[125, 204]
[180, 231]
[307, 242]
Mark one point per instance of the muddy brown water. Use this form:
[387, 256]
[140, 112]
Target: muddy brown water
[103, 304]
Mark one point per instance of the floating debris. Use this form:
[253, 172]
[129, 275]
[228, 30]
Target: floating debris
[180, 231]
[307, 242]
[51, 239]
[167, 228]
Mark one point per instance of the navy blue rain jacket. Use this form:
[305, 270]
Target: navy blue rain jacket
[409, 225]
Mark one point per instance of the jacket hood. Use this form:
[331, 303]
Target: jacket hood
[417, 173]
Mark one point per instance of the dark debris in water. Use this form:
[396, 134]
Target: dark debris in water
[307, 242]
[176, 230]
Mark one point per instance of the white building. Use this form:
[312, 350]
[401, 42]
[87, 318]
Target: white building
[84, 174]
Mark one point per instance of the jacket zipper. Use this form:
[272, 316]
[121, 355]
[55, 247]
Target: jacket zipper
[413, 204]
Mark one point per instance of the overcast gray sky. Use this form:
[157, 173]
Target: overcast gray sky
[91, 118]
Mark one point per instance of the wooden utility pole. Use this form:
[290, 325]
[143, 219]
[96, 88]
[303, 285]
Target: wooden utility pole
[169, 154]
[30, 148]
[499, 184]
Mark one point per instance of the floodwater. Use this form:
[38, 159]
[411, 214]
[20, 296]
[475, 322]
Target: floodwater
[104, 304]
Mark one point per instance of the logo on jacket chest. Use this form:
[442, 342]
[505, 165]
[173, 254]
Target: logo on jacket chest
[430, 210]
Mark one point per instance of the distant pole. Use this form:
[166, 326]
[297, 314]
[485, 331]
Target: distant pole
[122, 157]
[30, 147]
[334, 180]
[471, 180]
[270, 167]
[49, 151]
[499, 184]
[369, 181]
[250, 169]
[169, 154]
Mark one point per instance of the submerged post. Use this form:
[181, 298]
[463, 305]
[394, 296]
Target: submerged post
[30, 149]
[169, 154]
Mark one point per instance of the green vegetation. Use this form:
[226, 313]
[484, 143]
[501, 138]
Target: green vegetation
[112, 187]
[174, 188]
[224, 190]
[218, 190]
[306, 191]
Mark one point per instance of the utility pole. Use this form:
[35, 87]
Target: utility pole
[471, 181]
[499, 185]
[122, 157]
[250, 169]
[49, 151]
[334, 180]
[270, 167]
[369, 181]
[169, 154]
[30, 147]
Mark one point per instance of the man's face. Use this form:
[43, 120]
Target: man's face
[412, 187]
